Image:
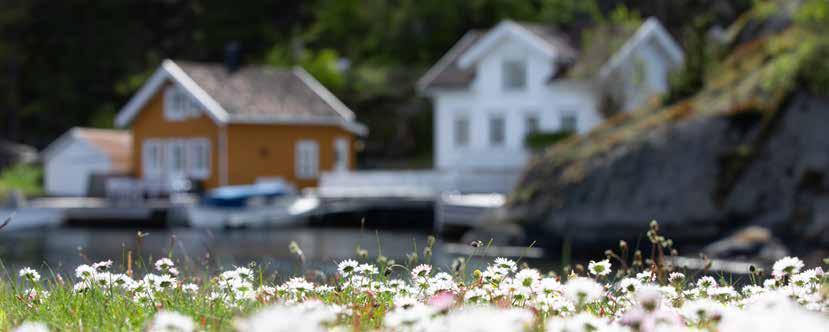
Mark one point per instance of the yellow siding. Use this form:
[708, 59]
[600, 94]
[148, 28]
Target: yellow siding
[261, 150]
[150, 123]
[254, 150]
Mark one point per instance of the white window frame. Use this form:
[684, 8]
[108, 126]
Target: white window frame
[529, 119]
[171, 148]
[199, 158]
[491, 130]
[152, 157]
[460, 130]
[178, 104]
[306, 159]
[341, 154]
[564, 116]
[510, 82]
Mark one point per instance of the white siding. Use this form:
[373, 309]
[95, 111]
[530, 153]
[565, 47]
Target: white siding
[67, 171]
[654, 54]
[487, 97]
[640, 87]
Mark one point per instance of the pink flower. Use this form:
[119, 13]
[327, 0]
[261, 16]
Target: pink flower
[442, 301]
[647, 321]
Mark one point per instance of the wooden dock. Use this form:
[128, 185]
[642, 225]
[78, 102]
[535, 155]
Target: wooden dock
[89, 213]
[456, 214]
[392, 208]
[378, 206]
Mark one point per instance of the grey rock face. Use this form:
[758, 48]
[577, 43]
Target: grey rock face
[699, 178]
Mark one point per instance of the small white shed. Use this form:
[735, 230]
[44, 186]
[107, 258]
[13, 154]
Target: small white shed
[71, 160]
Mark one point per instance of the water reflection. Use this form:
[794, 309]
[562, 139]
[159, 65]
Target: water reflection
[64, 248]
[199, 251]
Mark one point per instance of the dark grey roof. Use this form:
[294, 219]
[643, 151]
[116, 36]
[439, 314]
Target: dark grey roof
[554, 37]
[451, 75]
[447, 74]
[260, 91]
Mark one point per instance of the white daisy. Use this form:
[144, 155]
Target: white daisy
[32, 327]
[504, 264]
[706, 282]
[786, 266]
[528, 277]
[366, 269]
[347, 267]
[168, 321]
[102, 266]
[629, 285]
[30, 274]
[583, 290]
[164, 264]
[190, 288]
[676, 277]
[84, 272]
[421, 271]
[600, 268]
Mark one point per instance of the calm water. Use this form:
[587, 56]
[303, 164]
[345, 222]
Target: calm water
[61, 249]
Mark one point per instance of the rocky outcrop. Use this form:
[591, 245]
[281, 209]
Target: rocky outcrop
[749, 148]
[699, 178]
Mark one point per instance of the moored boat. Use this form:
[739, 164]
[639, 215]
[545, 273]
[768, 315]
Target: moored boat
[272, 204]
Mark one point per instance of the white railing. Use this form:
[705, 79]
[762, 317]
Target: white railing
[382, 183]
[429, 182]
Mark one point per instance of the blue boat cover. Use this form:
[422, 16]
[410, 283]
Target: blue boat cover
[237, 196]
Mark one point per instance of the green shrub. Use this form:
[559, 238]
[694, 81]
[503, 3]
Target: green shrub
[541, 140]
[26, 178]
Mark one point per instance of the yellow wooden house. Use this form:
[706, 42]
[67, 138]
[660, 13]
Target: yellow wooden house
[232, 126]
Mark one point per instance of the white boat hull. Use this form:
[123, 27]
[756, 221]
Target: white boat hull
[286, 212]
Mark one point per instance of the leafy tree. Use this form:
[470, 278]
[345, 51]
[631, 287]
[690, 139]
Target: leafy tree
[70, 63]
[323, 64]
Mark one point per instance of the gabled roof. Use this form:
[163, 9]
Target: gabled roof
[115, 144]
[454, 68]
[650, 30]
[446, 72]
[545, 39]
[251, 94]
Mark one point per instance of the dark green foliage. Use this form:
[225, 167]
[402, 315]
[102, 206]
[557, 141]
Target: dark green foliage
[74, 63]
[698, 56]
[541, 140]
[71, 63]
[24, 178]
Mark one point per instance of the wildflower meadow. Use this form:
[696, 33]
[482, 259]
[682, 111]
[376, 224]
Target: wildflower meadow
[612, 294]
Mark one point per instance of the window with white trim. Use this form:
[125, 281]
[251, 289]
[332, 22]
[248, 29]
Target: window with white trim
[152, 157]
[341, 152]
[176, 157]
[307, 159]
[514, 75]
[569, 122]
[178, 105]
[497, 128]
[199, 158]
[460, 130]
[532, 123]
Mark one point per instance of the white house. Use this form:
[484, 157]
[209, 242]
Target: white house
[640, 68]
[71, 160]
[493, 87]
